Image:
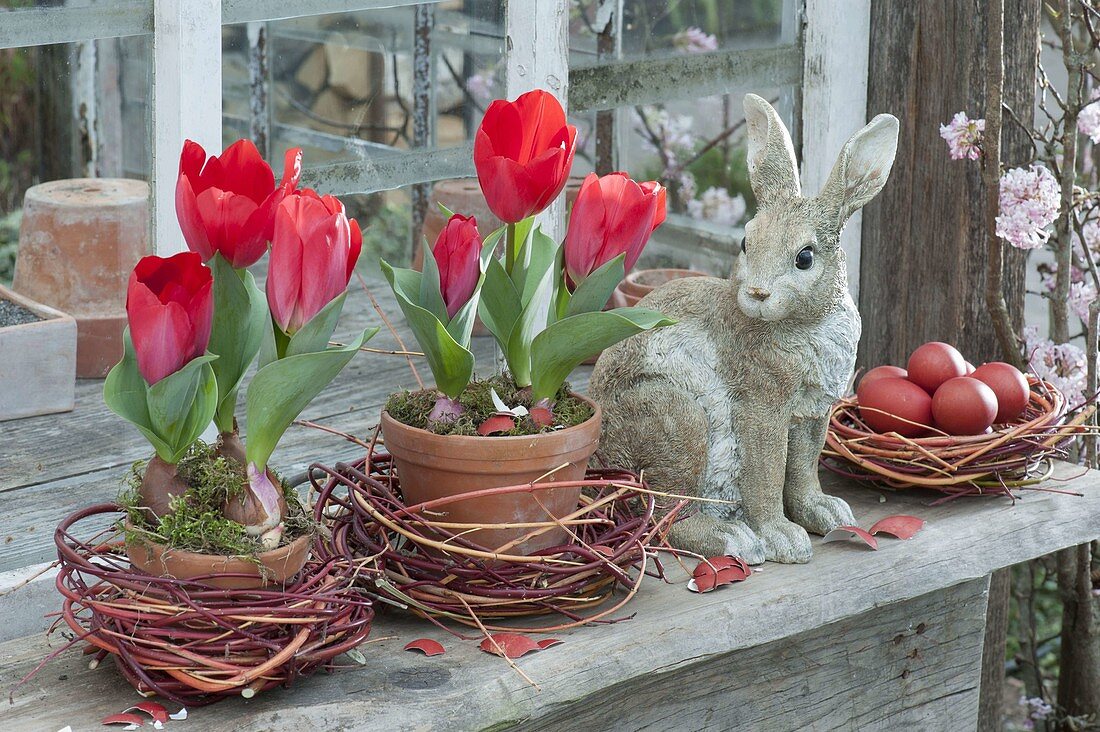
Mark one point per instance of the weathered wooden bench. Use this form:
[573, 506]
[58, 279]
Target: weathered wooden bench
[854, 640]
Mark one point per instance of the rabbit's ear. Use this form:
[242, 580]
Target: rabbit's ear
[773, 171]
[862, 168]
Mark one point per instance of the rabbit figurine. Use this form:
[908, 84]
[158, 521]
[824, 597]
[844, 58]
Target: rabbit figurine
[732, 402]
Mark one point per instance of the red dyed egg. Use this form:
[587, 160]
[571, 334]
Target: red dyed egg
[964, 406]
[934, 363]
[879, 372]
[969, 369]
[1009, 385]
[896, 397]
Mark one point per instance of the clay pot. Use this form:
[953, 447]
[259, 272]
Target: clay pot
[637, 285]
[78, 241]
[432, 466]
[269, 568]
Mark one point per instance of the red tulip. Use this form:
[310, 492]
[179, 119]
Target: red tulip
[170, 306]
[228, 204]
[457, 253]
[612, 215]
[313, 254]
[523, 152]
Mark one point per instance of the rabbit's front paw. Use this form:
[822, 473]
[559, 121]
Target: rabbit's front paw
[742, 542]
[820, 514]
[785, 542]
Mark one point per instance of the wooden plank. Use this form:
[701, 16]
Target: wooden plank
[923, 268]
[834, 101]
[672, 630]
[47, 25]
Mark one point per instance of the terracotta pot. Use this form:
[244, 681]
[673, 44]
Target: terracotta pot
[637, 285]
[78, 241]
[269, 568]
[432, 466]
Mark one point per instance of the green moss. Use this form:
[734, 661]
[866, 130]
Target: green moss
[195, 522]
[413, 407]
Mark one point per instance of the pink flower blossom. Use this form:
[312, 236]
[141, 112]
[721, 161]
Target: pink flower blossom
[1088, 122]
[673, 133]
[1029, 203]
[1081, 295]
[718, 206]
[963, 136]
[694, 40]
[1062, 364]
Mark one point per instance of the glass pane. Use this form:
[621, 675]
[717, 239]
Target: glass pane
[71, 110]
[343, 86]
[671, 27]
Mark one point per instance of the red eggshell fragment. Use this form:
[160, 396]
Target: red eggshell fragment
[495, 424]
[934, 363]
[717, 571]
[427, 646]
[154, 710]
[879, 372]
[542, 416]
[900, 526]
[844, 533]
[964, 406]
[547, 642]
[891, 404]
[513, 645]
[124, 718]
[1010, 386]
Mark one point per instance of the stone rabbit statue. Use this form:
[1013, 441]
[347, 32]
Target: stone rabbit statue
[732, 401]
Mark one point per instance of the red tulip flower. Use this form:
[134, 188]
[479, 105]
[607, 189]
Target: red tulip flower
[457, 253]
[170, 307]
[228, 204]
[523, 152]
[313, 254]
[612, 215]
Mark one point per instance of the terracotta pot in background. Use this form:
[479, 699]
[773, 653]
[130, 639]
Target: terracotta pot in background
[78, 241]
[432, 466]
[274, 567]
[637, 285]
[37, 362]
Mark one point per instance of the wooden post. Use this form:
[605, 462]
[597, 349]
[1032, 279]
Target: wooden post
[834, 101]
[187, 100]
[538, 58]
[922, 273]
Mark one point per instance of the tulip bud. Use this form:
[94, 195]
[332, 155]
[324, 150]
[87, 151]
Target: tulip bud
[170, 308]
[457, 253]
[313, 253]
[612, 215]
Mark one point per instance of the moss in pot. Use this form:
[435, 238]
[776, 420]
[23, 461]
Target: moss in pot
[543, 303]
[193, 330]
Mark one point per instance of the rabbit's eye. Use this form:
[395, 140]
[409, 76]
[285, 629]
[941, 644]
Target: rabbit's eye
[805, 258]
[742, 245]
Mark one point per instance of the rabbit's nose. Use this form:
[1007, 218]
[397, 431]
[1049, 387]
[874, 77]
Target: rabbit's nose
[758, 293]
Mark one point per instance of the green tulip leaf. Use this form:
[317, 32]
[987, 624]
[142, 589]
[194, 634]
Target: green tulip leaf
[126, 394]
[452, 364]
[280, 391]
[182, 404]
[431, 294]
[536, 258]
[461, 326]
[561, 347]
[595, 290]
[532, 321]
[489, 245]
[315, 335]
[499, 307]
[240, 315]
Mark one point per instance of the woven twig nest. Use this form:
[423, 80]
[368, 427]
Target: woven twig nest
[194, 643]
[441, 573]
[1014, 455]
